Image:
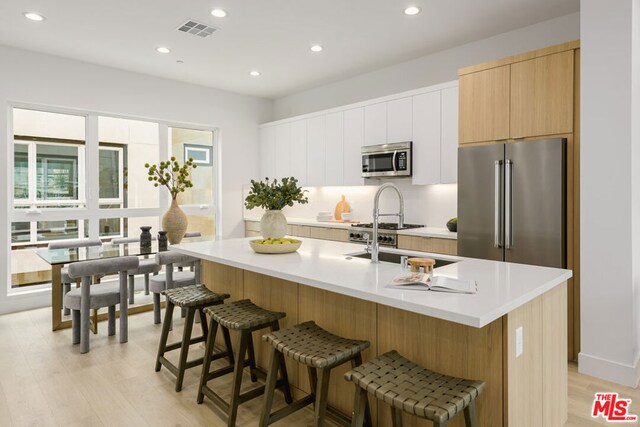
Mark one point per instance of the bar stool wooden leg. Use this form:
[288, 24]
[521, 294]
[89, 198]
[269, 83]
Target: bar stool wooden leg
[206, 363]
[286, 388]
[252, 359]
[243, 342]
[470, 418]
[321, 396]
[184, 351]
[355, 362]
[270, 388]
[203, 323]
[112, 320]
[168, 314]
[227, 344]
[359, 404]
[396, 417]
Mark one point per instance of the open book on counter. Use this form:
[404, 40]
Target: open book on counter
[424, 282]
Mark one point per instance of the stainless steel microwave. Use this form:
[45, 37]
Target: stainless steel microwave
[387, 160]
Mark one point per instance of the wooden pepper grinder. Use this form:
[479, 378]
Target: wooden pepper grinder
[341, 208]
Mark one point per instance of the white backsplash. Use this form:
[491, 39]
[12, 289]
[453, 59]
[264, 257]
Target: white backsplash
[431, 205]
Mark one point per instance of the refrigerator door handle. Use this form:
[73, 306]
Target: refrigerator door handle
[507, 206]
[497, 195]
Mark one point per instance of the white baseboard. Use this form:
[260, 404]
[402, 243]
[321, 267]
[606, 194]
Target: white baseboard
[616, 372]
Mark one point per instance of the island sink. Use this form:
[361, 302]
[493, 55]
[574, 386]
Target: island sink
[396, 258]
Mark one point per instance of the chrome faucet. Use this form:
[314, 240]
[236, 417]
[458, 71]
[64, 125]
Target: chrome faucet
[375, 245]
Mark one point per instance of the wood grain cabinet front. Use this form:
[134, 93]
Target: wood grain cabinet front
[428, 244]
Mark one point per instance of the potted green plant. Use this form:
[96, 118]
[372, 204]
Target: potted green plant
[273, 196]
[177, 179]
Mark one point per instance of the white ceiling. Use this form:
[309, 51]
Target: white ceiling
[272, 36]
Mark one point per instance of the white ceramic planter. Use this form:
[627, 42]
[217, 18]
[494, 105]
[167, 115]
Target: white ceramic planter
[273, 225]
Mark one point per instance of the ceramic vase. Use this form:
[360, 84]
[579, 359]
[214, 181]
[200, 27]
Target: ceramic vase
[162, 240]
[174, 222]
[273, 225]
[145, 237]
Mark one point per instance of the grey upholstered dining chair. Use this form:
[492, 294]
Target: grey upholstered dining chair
[172, 279]
[82, 300]
[147, 266]
[70, 244]
[182, 265]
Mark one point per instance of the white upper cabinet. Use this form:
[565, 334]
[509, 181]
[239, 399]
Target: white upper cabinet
[316, 144]
[449, 140]
[399, 120]
[375, 124]
[353, 142]
[267, 152]
[299, 151]
[334, 149]
[426, 138]
[283, 150]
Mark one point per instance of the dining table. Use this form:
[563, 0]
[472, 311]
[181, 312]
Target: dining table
[58, 258]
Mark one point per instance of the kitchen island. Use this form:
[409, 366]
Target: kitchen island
[472, 336]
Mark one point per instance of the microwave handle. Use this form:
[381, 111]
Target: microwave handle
[393, 161]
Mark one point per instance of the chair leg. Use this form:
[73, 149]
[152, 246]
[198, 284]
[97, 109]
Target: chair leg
[252, 358]
[355, 362]
[112, 320]
[183, 312]
[396, 417]
[321, 395]
[75, 325]
[168, 314]
[146, 284]
[470, 417]
[203, 323]
[286, 388]
[184, 350]
[359, 404]
[270, 388]
[208, 354]
[243, 343]
[227, 344]
[66, 287]
[442, 424]
[132, 288]
[156, 309]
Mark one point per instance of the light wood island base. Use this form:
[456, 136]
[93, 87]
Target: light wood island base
[530, 390]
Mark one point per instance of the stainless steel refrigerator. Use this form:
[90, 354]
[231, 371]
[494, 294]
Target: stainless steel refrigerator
[512, 202]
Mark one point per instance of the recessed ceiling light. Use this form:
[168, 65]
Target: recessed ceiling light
[163, 49]
[254, 73]
[33, 16]
[412, 10]
[316, 48]
[218, 13]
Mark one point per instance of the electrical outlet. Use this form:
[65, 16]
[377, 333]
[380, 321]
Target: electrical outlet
[519, 341]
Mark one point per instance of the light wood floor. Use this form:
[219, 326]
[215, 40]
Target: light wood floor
[45, 381]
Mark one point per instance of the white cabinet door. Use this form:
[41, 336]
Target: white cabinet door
[399, 119]
[449, 140]
[299, 151]
[426, 138]
[375, 124]
[267, 152]
[316, 142]
[283, 150]
[353, 142]
[334, 150]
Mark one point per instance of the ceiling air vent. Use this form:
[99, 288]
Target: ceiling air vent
[196, 28]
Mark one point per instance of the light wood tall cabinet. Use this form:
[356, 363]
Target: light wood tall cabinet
[530, 96]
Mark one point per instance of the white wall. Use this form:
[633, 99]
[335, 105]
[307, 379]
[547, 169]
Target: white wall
[431, 205]
[42, 79]
[428, 70]
[610, 190]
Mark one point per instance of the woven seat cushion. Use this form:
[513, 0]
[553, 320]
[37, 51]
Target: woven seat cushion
[414, 389]
[102, 295]
[146, 266]
[243, 314]
[180, 278]
[311, 345]
[194, 296]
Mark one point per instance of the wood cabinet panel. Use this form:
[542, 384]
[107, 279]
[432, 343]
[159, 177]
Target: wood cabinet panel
[399, 120]
[449, 136]
[542, 96]
[473, 353]
[299, 151]
[555, 405]
[484, 105]
[426, 138]
[252, 226]
[300, 231]
[334, 149]
[353, 142]
[428, 244]
[337, 234]
[375, 124]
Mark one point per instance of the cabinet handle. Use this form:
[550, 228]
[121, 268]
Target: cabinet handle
[497, 241]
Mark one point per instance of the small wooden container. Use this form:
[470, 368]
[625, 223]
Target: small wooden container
[426, 263]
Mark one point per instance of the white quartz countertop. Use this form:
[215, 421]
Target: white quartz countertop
[441, 233]
[502, 287]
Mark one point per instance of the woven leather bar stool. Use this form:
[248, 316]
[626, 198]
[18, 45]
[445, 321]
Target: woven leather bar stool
[320, 351]
[194, 298]
[245, 317]
[410, 388]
